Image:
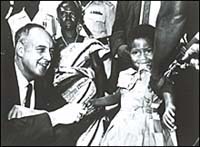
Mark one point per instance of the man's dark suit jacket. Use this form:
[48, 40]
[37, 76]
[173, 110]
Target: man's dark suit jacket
[32, 130]
[36, 130]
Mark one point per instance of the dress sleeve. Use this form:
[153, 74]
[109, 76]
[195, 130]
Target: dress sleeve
[126, 79]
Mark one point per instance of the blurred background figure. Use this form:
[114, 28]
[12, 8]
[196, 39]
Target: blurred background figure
[6, 36]
[25, 12]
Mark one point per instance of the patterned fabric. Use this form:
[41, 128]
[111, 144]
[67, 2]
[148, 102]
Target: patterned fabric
[137, 123]
[74, 75]
[75, 81]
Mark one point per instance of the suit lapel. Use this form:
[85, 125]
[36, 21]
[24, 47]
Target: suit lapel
[10, 90]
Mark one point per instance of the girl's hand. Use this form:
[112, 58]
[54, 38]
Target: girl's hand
[169, 117]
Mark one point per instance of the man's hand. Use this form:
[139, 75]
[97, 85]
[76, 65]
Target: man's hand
[68, 114]
[168, 117]
[194, 49]
[18, 111]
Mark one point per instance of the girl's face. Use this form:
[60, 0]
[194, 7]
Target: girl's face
[141, 52]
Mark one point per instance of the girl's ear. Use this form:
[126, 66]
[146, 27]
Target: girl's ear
[19, 49]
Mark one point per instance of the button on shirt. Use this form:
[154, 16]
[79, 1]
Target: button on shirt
[22, 84]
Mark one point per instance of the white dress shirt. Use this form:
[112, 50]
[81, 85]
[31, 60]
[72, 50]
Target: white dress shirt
[99, 17]
[42, 18]
[22, 84]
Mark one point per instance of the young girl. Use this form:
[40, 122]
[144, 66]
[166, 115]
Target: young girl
[138, 122]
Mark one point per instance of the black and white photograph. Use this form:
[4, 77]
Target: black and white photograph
[100, 73]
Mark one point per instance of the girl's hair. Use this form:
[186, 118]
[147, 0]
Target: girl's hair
[144, 31]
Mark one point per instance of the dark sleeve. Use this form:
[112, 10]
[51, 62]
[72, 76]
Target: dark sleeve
[169, 30]
[30, 130]
[100, 75]
[118, 32]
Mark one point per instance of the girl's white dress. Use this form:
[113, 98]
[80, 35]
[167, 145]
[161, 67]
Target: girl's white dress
[137, 123]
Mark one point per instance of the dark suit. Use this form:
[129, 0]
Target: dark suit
[187, 88]
[36, 130]
[169, 31]
[32, 130]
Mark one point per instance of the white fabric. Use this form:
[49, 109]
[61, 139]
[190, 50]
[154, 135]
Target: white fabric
[21, 19]
[96, 130]
[71, 64]
[136, 123]
[99, 18]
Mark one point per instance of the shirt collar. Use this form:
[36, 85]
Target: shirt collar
[21, 14]
[22, 81]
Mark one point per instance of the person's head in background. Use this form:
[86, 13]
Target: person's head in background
[33, 51]
[141, 46]
[69, 14]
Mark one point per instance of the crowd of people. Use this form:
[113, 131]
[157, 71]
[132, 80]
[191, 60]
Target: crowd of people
[99, 73]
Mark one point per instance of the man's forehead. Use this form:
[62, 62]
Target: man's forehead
[39, 35]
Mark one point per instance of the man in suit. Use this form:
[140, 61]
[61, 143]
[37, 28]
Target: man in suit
[29, 113]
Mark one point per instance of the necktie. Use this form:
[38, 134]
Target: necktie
[147, 5]
[28, 95]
